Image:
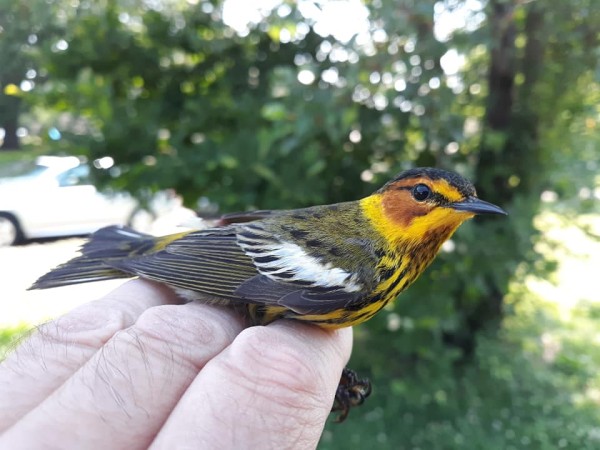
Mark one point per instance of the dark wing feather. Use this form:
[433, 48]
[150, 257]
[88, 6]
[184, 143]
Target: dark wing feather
[201, 261]
[261, 289]
[107, 244]
[237, 263]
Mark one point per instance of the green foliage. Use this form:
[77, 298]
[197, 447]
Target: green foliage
[533, 385]
[25, 27]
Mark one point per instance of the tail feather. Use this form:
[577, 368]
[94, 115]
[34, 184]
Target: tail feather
[107, 244]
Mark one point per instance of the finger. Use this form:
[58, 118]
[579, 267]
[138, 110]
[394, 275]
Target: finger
[123, 395]
[59, 348]
[273, 387]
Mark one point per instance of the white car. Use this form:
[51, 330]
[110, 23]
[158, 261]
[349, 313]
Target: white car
[56, 198]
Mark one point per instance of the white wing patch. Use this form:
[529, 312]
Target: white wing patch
[127, 233]
[287, 257]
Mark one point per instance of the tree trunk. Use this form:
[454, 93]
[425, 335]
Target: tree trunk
[491, 178]
[508, 158]
[494, 167]
[10, 123]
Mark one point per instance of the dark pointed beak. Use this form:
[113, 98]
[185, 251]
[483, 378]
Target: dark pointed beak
[477, 206]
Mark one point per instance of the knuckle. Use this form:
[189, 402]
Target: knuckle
[88, 327]
[192, 332]
[168, 323]
[275, 366]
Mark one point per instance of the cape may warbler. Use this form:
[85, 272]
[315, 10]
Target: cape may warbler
[331, 265]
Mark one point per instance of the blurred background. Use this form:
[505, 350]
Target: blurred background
[160, 109]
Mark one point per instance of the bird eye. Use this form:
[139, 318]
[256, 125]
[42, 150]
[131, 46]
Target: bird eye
[421, 192]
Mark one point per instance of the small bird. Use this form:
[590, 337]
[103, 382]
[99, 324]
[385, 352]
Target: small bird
[331, 265]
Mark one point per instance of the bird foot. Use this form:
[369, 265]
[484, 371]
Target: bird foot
[352, 391]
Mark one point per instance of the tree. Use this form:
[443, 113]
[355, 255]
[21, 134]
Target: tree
[24, 27]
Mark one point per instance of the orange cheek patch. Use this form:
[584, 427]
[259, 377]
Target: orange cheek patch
[420, 220]
[399, 219]
[400, 207]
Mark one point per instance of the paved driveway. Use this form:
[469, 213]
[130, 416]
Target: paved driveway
[20, 266]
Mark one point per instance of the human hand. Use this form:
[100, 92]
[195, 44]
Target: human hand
[136, 369]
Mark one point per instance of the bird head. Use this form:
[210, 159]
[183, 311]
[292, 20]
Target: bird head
[428, 204]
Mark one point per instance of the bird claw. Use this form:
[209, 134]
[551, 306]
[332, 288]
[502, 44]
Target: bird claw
[352, 391]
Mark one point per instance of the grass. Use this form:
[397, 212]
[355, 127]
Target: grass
[9, 337]
[11, 161]
[11, 156]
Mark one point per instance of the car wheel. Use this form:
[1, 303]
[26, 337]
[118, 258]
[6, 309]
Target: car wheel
[10, 231]
[142, 220]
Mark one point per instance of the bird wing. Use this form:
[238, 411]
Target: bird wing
[211, 263]
[247, 264]
[300, 281]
